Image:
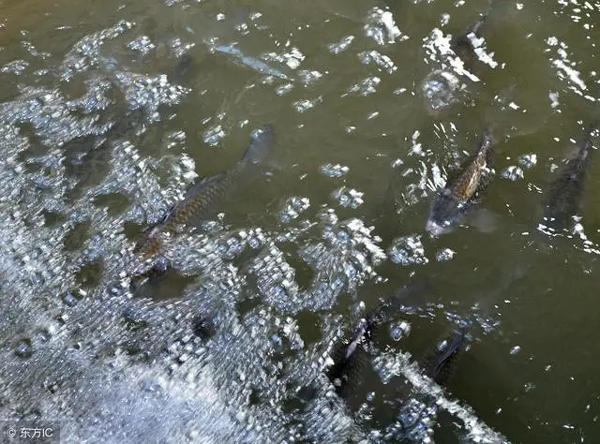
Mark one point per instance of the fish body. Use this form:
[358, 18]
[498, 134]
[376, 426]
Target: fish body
[202, 195]
[563, 199]
[461, 192]
[349, 360]
[444, 86]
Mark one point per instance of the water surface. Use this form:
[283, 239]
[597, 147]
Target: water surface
[110, 110]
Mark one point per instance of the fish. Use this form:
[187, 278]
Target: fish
[350, 358]
[563, 198]
[420, 411]
[87, 158]
[440, 364]
[201, 196]
[184, 66]
[462, 191]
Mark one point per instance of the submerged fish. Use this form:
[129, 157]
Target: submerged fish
[201, 196]
[350, 358]
[440, 364]
[184, 66]
[461, 192]
[444, 86]
[418, 414]
[563, 199]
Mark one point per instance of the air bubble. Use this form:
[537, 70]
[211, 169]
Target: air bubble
[24, 348]
[70, 300]
[400, 330]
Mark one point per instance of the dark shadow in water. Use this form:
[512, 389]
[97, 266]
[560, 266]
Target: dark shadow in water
[77, 236]
[161, 285]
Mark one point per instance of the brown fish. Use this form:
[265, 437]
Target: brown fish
[201, 196]
[461, 191]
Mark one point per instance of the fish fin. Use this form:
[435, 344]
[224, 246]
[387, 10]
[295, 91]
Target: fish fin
[461, 43]
[260, 146]
[197, 186]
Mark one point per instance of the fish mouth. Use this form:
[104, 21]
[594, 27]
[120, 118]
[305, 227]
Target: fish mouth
[434, 229]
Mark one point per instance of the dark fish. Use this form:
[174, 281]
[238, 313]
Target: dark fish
[461, 191]
[440, 364]
[350, 358]
[184, 66]
[201, 196]
[419, 412]
[563, 198]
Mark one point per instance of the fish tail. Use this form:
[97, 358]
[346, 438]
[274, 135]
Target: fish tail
[477, 27]
[486, 146]
[590, 129]
[260, 146]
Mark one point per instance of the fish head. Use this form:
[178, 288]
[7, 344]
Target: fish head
[445, 212]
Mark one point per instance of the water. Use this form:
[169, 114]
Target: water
[110, 110]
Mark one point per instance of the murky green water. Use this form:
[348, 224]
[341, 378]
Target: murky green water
[109, 111]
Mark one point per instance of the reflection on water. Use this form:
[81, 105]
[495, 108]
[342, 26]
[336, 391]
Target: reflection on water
[110, 112]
